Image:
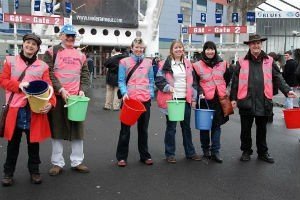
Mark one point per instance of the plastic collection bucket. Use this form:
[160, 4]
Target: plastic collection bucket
[77, 108]
[292, 118]
[204, 117]
[38, 94]
[131, 111]
[176, 109]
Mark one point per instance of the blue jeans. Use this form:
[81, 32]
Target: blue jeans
[214, 137]
[170, 133]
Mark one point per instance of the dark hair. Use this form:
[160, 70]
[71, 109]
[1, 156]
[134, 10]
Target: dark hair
[117, 49]
[209, 45]
[288, 52]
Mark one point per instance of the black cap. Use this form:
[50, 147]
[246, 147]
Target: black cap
[32, 36]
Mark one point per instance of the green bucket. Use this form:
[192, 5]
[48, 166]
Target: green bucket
[77, 108]
[176, 110]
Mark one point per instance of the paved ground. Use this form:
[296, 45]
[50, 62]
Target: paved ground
[185, 180]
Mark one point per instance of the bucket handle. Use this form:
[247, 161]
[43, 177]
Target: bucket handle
[41, 98]
[68, 105]
[175, 97]
[205, 102]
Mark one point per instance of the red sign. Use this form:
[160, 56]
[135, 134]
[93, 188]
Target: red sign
[217, 29]
[224, 2]
[32, 19]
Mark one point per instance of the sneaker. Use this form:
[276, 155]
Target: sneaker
[245, 157]
[122, 163]
[55, 170]
[7, 181]
[171, 159]
[266, 157]
[216, 157]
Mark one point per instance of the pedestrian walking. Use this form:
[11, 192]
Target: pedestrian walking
[112, 64]
[139, 87]
[289, 76]
[175, 79]
[252, 93]
[214, 76]
[70, 76]
[17, 74]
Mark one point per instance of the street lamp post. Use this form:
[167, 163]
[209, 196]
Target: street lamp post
[15, 33]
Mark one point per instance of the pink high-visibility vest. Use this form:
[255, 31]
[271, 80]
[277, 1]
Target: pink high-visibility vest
[244, 78]
[138, 86]
[211, 79]
[34, 72]
[163, 97]
[67, 68]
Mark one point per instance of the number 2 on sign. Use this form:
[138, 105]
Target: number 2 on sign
[237, 29]
[56, 21]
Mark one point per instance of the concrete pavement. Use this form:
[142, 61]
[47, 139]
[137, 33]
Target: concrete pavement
[184, 180]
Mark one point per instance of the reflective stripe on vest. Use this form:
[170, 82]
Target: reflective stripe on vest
[34, 72]
[138, 86]
[211, 79]
[244, 78]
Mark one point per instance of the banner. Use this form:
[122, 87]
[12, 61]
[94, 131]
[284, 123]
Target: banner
[218, 18]
[112, 13]
[180, 18]
[16, 4]
[203, 17]
[278, 14]
[49, 7]
[68, 7]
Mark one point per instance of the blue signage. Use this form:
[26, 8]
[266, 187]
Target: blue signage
[49, 7]
[203, 17]
[180, 18]
[1, 17]
[68, 7]
[218, 18]
[16, 4]
[37, 5]
[251, 17]
[235, 17]
[184, 30]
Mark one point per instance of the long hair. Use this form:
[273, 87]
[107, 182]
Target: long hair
[171, 48]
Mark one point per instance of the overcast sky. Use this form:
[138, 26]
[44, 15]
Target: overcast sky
[282, 6]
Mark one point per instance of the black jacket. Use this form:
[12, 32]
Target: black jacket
[289, 73]
[112, 64]
[256, 103]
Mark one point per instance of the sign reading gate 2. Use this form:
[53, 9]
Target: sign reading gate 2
[32, 19]
[218, 29]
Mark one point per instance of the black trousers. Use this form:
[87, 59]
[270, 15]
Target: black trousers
[261, 132]
[13, 152]
[123, 144]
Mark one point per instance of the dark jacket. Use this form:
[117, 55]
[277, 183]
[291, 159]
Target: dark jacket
[256, 103]
[214, 103]
[289, 73]
[112, 64]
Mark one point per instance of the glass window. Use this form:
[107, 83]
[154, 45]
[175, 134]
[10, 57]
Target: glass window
[202, 3]
[219, 8]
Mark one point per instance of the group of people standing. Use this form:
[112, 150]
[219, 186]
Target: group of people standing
[253, 80]
[64, 68]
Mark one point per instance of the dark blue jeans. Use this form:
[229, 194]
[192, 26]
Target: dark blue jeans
[170, 133]
[214, 138]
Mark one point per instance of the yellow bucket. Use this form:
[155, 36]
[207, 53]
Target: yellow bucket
[38, 94]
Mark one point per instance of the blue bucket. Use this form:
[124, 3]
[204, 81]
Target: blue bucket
[203, 119]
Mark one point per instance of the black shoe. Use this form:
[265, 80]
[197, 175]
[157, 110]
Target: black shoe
[206, 155]
[35, 178]
[7, 181]
[266, 157]
[216, 157]
[245, 157]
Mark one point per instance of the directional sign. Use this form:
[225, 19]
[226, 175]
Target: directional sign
[49, 7]
[180, 18]
[184, 30]
[1, 17]
[16, 4]
[68, 7]
[203, 17]
[218, 29]
[32, 19]
[235, 17]
[37, 5]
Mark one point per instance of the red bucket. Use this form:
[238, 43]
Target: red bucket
[131, 111]
[292, 118]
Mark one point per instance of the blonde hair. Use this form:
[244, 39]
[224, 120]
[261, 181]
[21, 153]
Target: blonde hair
[171, 48]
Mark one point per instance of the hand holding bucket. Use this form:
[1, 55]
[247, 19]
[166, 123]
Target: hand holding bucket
[203, 117]
[176, 109]
[77, 107]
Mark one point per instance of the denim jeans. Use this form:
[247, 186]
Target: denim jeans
[170, 133]
[214, 138]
